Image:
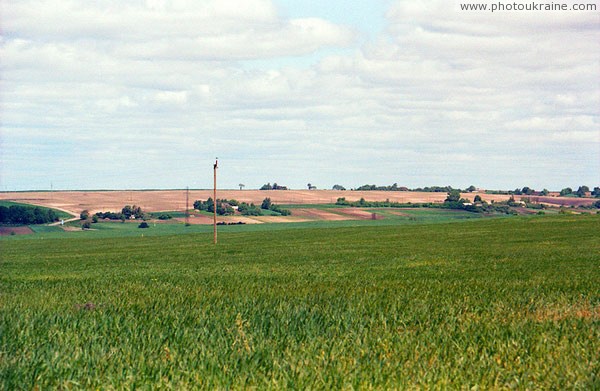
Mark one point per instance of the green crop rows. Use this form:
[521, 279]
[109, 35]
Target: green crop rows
[494, 303]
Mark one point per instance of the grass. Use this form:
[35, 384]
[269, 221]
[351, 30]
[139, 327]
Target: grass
[170, 227]
[494, 303]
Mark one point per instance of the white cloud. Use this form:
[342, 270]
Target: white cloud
[440, 98]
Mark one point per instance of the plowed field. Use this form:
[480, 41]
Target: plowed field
[174, 200]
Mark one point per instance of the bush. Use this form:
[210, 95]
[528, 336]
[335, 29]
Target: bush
[266, 204]
[86, 225]
[143, 225]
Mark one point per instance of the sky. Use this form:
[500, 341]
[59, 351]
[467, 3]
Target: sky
[107, 94]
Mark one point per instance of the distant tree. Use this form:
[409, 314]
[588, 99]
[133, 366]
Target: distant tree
[224, 209]
[338, 187]
[267, 187]
[86, 225]
[527, 190]
[453, 196]
[545, 192]
[84, 215]
[596, 192]
[241, 185]
[4, 215]
[471, 189]
[249, 209]
[40, 216]
[342, 201]
[566, 191]
[210, 205]
[266, 204]
[143, 225]
[582, 191]
[134, 211]
[477, 198]
[278, 187]
[94, 218]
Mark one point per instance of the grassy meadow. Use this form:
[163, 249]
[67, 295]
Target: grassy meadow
[493, 303]
[165, 228]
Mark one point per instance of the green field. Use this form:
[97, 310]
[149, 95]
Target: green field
[172, 227]
[493, 303]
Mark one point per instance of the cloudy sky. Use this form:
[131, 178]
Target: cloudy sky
[114, 94]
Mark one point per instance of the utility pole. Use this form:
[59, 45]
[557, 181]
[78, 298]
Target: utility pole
[187, 206]
[216, 165]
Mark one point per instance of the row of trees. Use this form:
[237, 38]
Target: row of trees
[224, 207]
[428, 189]
[268, 205]
[24, 215]
[227, 207]
[126, 213]
[452, 201]
[580, 192]
[566, 192]
[274, 186]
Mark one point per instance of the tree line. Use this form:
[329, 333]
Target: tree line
[227, 207]
[581, 191]
[274, 186]
[24, 215]
[395, 187]
[126, 213]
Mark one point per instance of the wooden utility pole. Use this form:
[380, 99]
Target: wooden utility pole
[187, 206]
[216, 165]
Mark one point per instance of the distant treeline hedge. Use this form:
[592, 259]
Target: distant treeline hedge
[225, 207]
[24, 215]
[453, 201]
[428, 189]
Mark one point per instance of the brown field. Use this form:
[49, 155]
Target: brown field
[175, 200]
[562, 201]
[318, 214]
[360, 214]
[4, 231]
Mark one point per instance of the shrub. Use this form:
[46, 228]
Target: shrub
[143, 225]
[86, 225]
[266, 204]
